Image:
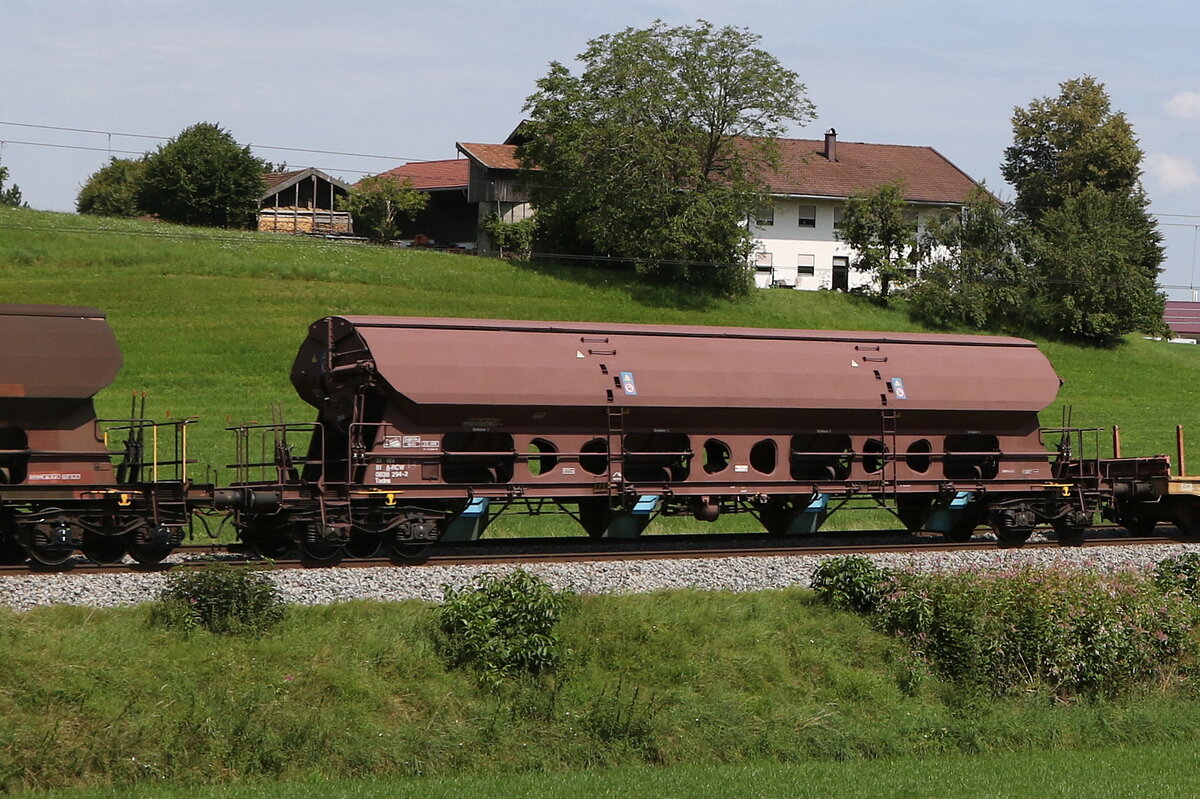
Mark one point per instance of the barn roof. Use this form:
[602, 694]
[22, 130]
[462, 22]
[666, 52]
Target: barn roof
[275, 182]
[428, 175]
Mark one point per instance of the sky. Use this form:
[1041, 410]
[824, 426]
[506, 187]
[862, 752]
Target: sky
[358, 87]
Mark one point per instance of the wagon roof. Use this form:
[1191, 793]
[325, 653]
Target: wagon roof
[515, 363]
[65, 351]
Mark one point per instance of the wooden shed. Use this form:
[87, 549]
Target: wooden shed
[303, 201]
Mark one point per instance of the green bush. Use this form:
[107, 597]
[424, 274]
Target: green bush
[1070, 633]
[503, 626]
[851, 582]
[514, 238]
[1179, 575]
[221, 599]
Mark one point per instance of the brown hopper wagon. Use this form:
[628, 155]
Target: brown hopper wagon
[61, 486]
[429, 428]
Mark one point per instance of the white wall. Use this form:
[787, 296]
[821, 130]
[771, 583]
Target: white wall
[784, 245]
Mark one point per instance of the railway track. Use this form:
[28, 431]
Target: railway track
[570, 550]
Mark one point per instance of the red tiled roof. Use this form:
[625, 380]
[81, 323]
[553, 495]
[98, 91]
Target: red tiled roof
[449, 174]
[492, 156]
[926, 175]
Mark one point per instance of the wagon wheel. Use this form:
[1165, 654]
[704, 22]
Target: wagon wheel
[102, 548]
[322, 543]
[266, 536]
[50, 544]
[1069, 535]
[152, 544]
[411, 550]
[1011, 535]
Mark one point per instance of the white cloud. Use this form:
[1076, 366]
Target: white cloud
[1172, 172]
[1185, 105]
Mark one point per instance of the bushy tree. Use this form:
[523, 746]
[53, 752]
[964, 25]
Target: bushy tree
[202, 177]
[1097, 263]
[113, 189]
[12, 195]
[1076, 168]
[883, 241]
[379, 201]
[1061, 145]
[655, 152]
[973, 273]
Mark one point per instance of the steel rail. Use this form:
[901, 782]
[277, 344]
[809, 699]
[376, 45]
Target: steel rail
[559, 550]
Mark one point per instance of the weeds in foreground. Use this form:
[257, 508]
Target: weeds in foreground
[221, 599]
[1072, 633]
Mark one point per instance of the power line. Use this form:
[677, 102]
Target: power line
[111, 133]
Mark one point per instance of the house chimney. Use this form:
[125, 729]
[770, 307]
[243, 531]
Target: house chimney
[831, 144]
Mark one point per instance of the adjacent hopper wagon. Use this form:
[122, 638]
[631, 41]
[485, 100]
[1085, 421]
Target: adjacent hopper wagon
[427, 429]
[61, 486]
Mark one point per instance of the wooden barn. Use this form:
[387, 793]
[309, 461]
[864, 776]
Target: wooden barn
[303, 201]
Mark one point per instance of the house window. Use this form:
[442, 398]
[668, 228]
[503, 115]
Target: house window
[911, 218]
[808, 216]
[765, 216]
[763, 259]
[806, 264]
[838, 210]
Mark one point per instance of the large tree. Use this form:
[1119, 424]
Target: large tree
[203, 177]
[655, 153]
[1097, 261]
[113, 189]
[1063, 144]
[1076, 167]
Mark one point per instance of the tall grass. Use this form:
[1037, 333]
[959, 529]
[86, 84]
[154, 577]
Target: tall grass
[94, 697]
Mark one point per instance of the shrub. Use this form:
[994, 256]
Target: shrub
[1179, 575]
[514, 238]
[851, 582]
[221, 599]
[1073, 633]
[502, 626]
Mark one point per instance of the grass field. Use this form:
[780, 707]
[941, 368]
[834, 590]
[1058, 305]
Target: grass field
[1163, 772]
[678, 679]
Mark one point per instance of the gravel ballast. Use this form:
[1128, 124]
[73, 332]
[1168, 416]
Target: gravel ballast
[738, 574]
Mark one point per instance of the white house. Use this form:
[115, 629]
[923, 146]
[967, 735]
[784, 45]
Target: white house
[797, 242]
[797, 238]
